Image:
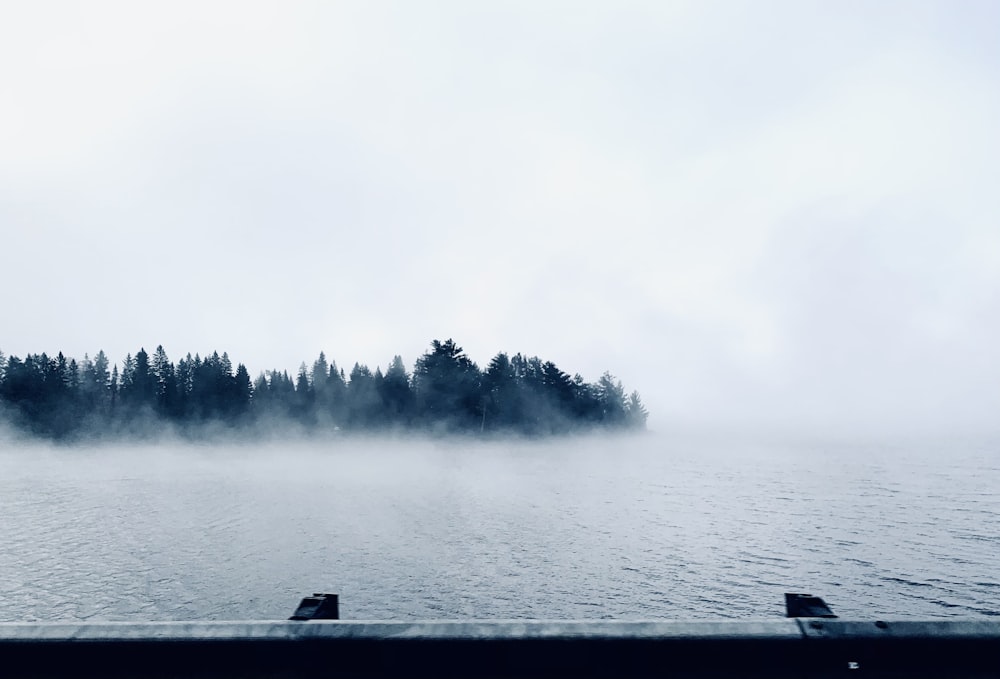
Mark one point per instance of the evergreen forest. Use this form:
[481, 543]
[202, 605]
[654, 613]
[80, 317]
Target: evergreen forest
[63, 399]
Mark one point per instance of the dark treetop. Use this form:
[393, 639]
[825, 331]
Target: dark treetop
[61, 398]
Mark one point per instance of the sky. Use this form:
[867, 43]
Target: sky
[754, 213]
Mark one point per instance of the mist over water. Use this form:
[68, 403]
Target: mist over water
[655, 526]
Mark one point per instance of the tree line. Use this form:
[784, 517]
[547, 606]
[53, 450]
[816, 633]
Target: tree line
[62, 398]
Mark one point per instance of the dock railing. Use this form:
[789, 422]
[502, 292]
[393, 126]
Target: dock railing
[497, 649]
[313, 646]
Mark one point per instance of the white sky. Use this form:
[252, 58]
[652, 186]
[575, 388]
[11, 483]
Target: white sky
[751, 212]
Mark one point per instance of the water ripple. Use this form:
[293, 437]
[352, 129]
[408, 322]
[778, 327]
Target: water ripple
[432, 531]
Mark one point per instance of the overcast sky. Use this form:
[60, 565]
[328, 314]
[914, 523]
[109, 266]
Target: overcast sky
[750, 212]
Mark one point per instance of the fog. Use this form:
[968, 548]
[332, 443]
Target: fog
[758, 216]
[638, 527]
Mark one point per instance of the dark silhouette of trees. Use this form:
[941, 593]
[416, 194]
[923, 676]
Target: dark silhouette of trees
[635, 412]
[502, 395]
[320, 378]
[139, 384]
[59, 398]
[336, 385]
[273, 396]
[396, 394]
[242, 391]
[95, 385]
[363, 404]
[184, 382]
[114, 388]
[23, 389]
[447, 385]
[216, 393]
[166, 394]
[304, 398]
[611, 396]
[40, 391]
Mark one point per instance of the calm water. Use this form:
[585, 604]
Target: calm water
[654, 527]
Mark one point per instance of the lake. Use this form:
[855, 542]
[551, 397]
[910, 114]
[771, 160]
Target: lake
[654, 526]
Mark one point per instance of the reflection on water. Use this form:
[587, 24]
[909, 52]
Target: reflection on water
[650, 527]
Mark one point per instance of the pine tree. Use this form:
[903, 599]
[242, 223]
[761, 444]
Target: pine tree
[115, 387]
[143, 380]
[95, 384]
[336, 385]
[612, 399]
[363, 402]
[447, 386]
[635, 412]
[320, 375]
[397, 397]
[260, 400]
[164, 379]
[127, 377]
[184, 376]
[243, 390]
[503, 397]
[304, 396]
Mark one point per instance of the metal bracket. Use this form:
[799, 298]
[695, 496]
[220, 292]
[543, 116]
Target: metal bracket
[806, 606]
[319, 606]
